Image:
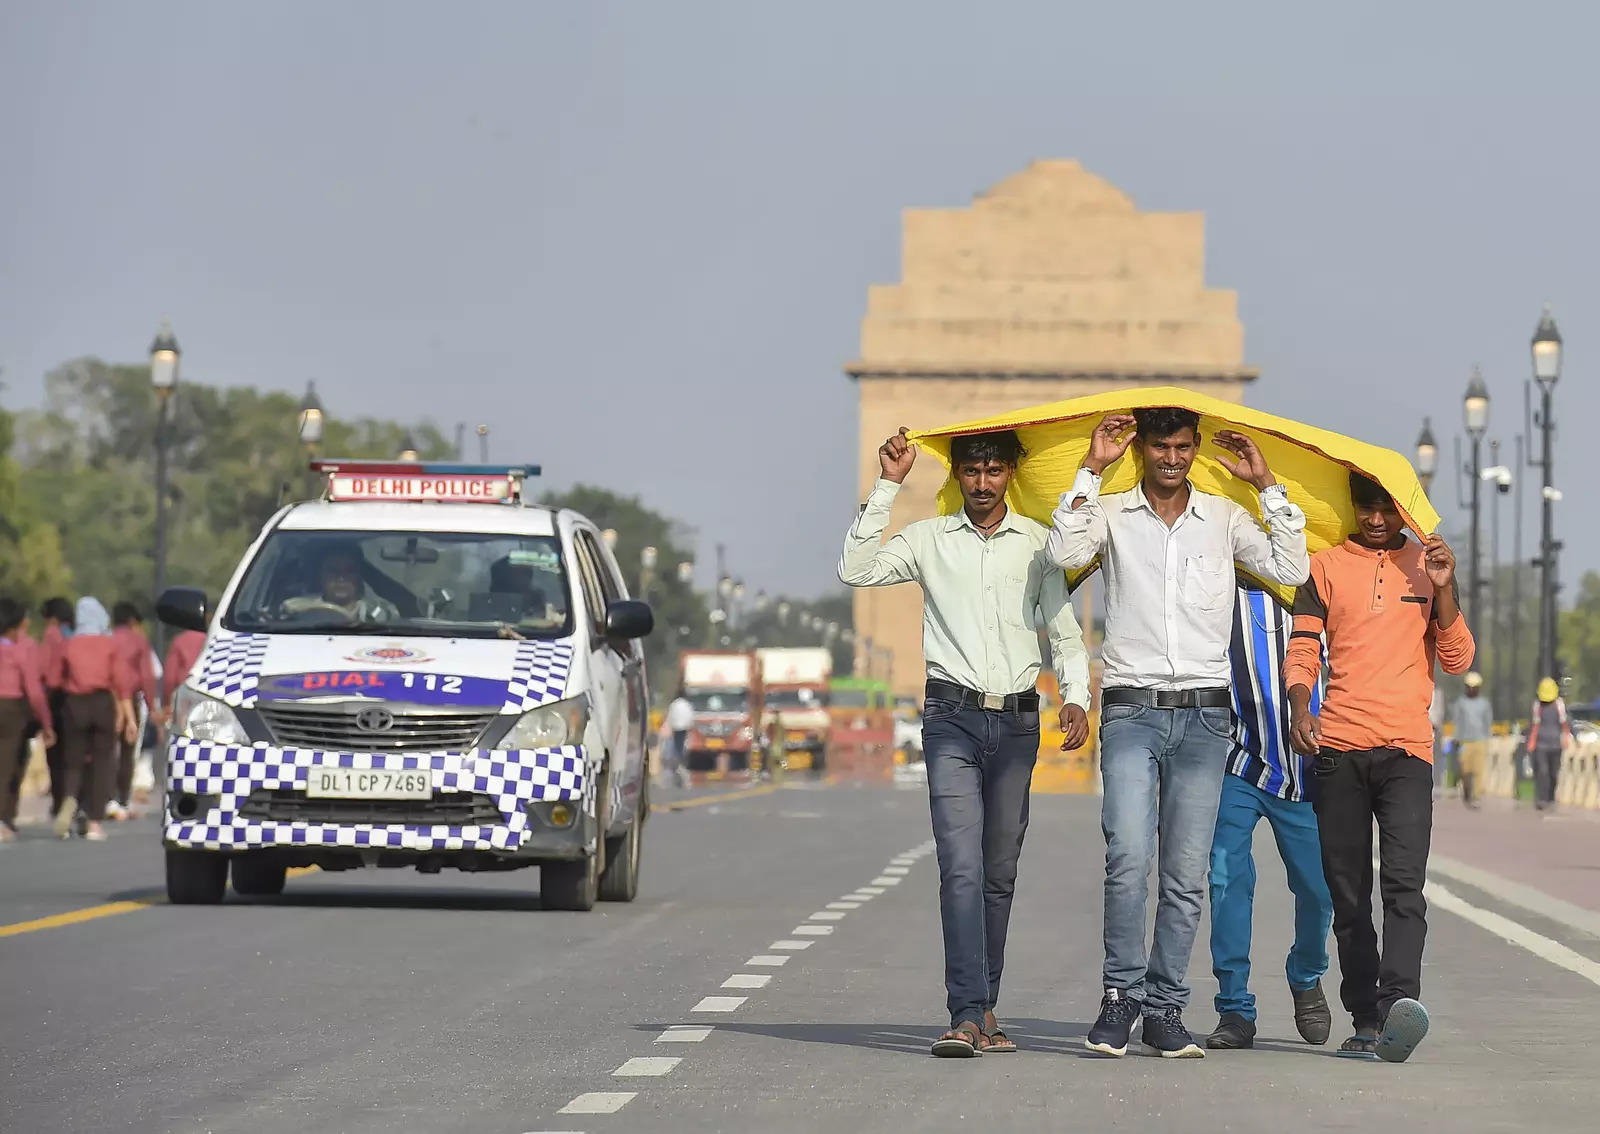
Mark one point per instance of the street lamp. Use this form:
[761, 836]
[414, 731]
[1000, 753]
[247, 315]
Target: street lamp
[647, 570]
[408, 447]
[610, 536]
[1502, 478]
[164, 355]
[1475, 414]
[686, 571]
[1427, 454]
[783, 613]
[1546, 346]
[311, 419]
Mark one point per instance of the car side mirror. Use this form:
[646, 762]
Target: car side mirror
[629, 619]
[184, 607]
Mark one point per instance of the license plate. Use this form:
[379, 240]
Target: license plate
[366, 783]
[715, 745]
[798, 737]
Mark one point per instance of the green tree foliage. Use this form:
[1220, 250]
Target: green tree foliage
[32, 566]
[1580, 641]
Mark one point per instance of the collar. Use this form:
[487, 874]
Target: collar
[1136, 499]
[962, 520]
[1364, 552]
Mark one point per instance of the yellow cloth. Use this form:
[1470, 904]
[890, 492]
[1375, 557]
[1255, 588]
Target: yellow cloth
[1313, 464]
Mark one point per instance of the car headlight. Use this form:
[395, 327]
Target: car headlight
[747, 733]
[550, 726]
[198, 717]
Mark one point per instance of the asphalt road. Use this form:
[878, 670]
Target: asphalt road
[387, 1001]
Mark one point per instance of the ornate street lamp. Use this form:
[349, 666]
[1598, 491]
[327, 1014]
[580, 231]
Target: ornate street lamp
[1427, 454]
[1475, 415]
[1546, 347]
[408, 447]
[164, 354]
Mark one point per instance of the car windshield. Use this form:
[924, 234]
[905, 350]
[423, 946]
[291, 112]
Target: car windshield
[795, 699]
[441, 584]
[719, 700]
[851, 699]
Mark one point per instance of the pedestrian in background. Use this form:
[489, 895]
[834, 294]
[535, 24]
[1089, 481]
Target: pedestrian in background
[182, 654]
[133, 650]
[1549, 734]
[675, 728]
[22, 706]
[57, 613]
[97, 714]
[1266, 780]
[1474, 720]
[1387, 608]
[986, 583]
[1166, 718]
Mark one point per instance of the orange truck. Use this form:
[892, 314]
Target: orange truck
[724, 686]
[794, 683]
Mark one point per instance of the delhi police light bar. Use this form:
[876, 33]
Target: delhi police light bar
[435, 482]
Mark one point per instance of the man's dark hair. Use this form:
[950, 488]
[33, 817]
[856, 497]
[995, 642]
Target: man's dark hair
[59, 609]
[1164, 421]
[1368, 493]
[12, 613]
[1004, 446]
[125, 613]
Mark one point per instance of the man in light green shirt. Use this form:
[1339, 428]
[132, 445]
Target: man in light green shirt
[986, 586]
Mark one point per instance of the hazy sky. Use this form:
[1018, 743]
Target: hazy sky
[637, 238]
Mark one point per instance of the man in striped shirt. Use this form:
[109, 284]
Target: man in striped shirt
[1266, 780]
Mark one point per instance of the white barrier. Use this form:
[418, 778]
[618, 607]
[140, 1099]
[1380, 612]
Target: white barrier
[1577, 786]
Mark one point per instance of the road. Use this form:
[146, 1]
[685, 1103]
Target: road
[390, 1001]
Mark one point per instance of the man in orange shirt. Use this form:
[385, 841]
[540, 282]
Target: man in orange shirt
[133, 650]
[1387, 606]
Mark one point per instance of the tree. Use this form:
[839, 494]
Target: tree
[32, 567]
[1580, 641]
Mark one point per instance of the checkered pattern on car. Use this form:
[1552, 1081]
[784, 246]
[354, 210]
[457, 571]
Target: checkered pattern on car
[231, 772]
[231, 665]
[539, 675]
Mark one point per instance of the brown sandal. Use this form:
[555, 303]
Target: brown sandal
[964, 1041]
[999, 1043]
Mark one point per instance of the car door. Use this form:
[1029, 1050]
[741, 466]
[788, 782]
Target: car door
[634, 704]
[606, 687]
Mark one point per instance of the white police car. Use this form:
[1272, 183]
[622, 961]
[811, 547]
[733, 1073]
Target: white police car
[423, 669]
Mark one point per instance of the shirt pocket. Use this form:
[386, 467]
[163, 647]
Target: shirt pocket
[1019, 598]
[1207, 581]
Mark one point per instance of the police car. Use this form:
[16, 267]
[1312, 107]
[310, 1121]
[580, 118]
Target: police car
[421, 669]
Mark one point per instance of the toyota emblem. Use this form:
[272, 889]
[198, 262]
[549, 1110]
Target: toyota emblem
[374, 720]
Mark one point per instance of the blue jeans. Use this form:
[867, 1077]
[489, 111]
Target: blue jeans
[980, 766]
[1162, 773]
[1233, 888]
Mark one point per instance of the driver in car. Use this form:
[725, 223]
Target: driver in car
[343, 590]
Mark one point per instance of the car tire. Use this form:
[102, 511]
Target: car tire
[195, 878]
[259, 875]
[570, 885]
[620, 881]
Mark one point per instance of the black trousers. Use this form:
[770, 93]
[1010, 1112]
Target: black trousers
[89, 761]
[1546, 769]
[1350, 790]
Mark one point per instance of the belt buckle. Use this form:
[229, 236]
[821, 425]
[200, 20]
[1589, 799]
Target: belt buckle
[993, 702]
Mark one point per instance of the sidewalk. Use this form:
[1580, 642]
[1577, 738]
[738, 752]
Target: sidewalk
[1557, 852]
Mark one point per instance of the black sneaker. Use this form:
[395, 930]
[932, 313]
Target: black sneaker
[1312, 1015]
[1109, 1036]
[1233, 1033]
[1165, 1034]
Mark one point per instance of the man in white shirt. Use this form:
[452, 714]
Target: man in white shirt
[675, 728]
[1168, 552]
[986, 585]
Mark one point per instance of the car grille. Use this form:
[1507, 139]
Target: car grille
[334, 729]
[452, 808]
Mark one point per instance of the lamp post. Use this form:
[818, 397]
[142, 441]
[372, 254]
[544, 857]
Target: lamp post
[1475, 415]
[483, 444]
[311, 422]
[408, 447]
[647, 570]
[1546, 347]
[1502, 478]
[164, 354]
[1427, 455]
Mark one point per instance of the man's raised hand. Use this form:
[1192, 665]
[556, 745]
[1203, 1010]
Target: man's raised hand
[896, 456]
[1109, 441]
[1249, 465]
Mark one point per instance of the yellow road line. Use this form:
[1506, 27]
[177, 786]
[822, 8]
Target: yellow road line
[724, 797]
[73, 917]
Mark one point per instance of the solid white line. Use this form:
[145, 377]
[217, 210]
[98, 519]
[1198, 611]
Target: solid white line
[598, 1102]
[886, 880]
[1536, 943]
[684, 1033]
[719, 1004]
[647, 1066]
[748, 980]
[770, 960]
[1517, 894]
[812, 930]
[844, 905]
[791, 946]
[827, 915]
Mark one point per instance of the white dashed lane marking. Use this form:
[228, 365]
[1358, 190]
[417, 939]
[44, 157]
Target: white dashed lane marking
[647, 1066]
[886, 880]
[827, 915]
[812, 930]
[748, 980]
[719, 1004]
[770, 960]
[791, 946]
[897, 870]
[684, 1033]
[599, 1102]
[870, 891]
[844, 905]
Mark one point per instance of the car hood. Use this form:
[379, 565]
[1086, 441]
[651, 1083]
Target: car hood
[506, 675]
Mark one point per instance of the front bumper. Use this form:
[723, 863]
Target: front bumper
[229, 782]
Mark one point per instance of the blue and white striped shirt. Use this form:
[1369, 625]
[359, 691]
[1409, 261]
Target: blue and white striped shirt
[1261, 753]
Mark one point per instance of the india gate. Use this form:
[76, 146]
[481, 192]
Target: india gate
[1050, 285]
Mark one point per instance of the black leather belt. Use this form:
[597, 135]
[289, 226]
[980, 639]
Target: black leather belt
[990, 702]
[1168, 698]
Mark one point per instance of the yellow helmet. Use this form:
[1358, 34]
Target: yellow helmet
[1548, 690]
[1474, 680]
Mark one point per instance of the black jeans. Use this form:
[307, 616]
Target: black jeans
[1350, 789]
[1546, 768]
[980, 767]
